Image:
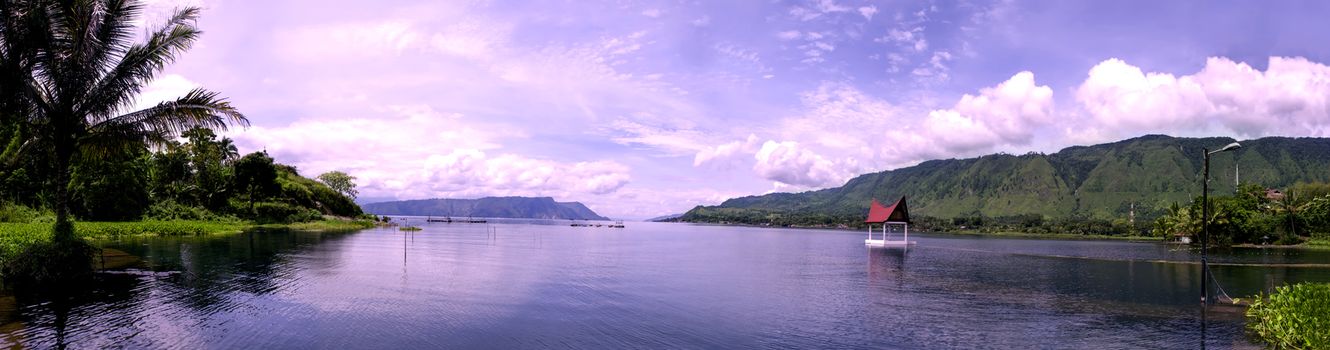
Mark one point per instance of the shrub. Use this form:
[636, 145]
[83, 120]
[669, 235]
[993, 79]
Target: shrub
[1293, 317]
[275, 212]
[49, 263]
[172, 210]
[10, 212]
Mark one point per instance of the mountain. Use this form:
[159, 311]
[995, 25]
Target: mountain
[488, 207]
[663, 218]
[1101, 181]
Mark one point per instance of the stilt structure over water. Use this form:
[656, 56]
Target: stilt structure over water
[897, 214]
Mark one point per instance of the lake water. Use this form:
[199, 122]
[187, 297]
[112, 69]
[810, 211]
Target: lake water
[519, 284]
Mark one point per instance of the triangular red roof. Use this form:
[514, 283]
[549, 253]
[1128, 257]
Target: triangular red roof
[897, 212]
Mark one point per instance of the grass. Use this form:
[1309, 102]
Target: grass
[1323, 243]
[1293, 317]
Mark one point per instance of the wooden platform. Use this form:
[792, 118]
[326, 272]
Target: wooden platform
[885, 243]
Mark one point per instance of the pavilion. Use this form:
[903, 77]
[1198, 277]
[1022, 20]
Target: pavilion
[897, 214]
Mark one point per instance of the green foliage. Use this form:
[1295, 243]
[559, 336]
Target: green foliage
[111, 188]
[256, 177]
[171, 210]
[10, 212]
[48, 262]
[276, 212]
[313, 194]
[340, 182]
[1293, 317]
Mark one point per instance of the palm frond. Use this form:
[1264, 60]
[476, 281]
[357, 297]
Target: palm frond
[198, 108]
[139, 65]
[114, 33]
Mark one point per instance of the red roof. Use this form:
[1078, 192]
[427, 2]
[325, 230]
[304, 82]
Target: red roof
[897, 212]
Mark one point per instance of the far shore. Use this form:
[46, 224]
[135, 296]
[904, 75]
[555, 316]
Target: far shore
[1318, 244]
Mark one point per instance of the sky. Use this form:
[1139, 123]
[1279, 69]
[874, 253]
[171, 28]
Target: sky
[646, 108]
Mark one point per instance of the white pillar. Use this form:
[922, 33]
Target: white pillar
[907, 234]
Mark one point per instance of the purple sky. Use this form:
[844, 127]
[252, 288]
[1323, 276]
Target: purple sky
[646, 108]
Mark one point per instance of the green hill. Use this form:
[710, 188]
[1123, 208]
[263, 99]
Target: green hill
[1100, 182]
[488, 207]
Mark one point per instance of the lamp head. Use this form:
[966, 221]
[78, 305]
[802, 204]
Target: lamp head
[1230, 147]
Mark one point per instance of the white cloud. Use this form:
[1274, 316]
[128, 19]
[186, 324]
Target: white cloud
[417, 152]
[788, 163]
[936, 70]
[652, 13]
[165, 88]
[868, 11]
[845, 131]
[1291, 97]
[789, 35]
[726, 154]
[470, 173]
[671, 139]
[911, 38]
[347, 41]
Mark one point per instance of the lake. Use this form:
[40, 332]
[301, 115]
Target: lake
[513, 284]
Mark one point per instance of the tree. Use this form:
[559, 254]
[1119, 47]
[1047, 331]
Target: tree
[340, 182]
[71, 71]
[257, 176]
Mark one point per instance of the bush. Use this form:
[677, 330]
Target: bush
[281, 213]
[10, 212]
[172, 210]
[49, 263]
[1294, 317]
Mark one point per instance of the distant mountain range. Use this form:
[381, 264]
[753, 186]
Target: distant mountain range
[488, 207]
[1102, 181]
[670, 217]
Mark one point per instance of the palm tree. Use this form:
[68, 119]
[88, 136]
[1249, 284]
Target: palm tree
[73, 73]
[228, 149]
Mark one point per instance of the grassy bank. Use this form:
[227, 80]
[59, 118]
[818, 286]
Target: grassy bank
[14, 237]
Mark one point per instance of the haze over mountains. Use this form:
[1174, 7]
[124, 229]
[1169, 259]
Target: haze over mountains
[1101, 181]
[488, 207]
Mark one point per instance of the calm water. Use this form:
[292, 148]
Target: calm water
[524, 285]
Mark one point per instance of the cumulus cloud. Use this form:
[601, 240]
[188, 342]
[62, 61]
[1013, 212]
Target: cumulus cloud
[1288, 98]
[845, 131]
[725, 154]
[788, 163]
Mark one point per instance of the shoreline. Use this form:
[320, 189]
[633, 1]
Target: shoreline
[1008, 234]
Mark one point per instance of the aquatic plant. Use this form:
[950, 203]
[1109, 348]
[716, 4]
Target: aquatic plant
[1293, 317]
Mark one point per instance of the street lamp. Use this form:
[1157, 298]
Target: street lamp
[1205, 222]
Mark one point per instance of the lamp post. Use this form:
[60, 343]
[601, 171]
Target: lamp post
[1205, 221]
